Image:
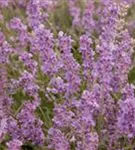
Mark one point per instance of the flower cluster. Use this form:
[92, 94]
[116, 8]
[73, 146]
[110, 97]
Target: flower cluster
[67, 75]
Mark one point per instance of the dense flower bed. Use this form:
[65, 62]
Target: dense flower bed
[67, 72]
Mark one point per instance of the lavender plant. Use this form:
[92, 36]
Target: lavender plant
[67, 75]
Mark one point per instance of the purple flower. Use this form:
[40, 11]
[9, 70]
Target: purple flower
[57, 140]
[14, 145]
[126, 116]
[90, 142]
[4, 3]
[27, 127]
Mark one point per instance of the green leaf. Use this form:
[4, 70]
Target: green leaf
[131, 76]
